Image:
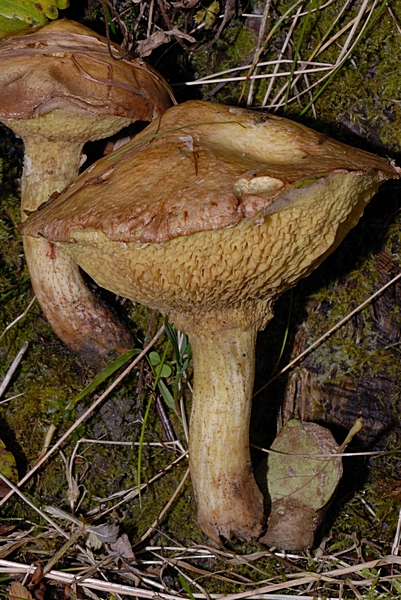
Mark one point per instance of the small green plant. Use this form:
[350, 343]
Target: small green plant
[19, 14]
[163, 369]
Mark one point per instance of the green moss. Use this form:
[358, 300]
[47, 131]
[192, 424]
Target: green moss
[235, 45]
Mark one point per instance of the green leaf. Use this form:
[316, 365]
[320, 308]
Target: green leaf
[164, 371]
[208, 15]
[154, 358]
[186, 587]
[184, 344]
[109, 370]
[167, 397]
[15, 288]
[8, 468]
[140, 449]
[19, 14]
[22, 10]
[369, 573]
[296, 471]
[172, 338]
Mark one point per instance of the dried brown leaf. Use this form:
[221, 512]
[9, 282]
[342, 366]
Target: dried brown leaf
[123, 547]
[146, 47]
[17, 591]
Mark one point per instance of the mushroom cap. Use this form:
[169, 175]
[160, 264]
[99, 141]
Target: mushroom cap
[212, 211]
[64, 65]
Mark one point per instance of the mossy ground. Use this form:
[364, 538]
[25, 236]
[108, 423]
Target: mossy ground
[361, 106]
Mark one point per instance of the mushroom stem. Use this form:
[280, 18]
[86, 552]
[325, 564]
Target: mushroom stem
[228, 499]
[83, 323]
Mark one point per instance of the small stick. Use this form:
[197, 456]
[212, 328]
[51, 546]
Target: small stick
[84, 415]
[13, 368]
[328, 333]
[21, 316]
[32, 505]
[163, 511]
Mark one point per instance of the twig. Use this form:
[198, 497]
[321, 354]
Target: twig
[31, 504]
[394, 18]
[129, 494]
[13, 368]
[19, 317]
[84, 416]
[264, 592]
[163, 511]
[328, 333]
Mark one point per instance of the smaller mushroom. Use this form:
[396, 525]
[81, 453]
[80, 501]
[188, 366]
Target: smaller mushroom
[217, 211]
[61, 87]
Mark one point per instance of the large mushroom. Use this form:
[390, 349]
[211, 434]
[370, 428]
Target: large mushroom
[216, 212]
[61, 87]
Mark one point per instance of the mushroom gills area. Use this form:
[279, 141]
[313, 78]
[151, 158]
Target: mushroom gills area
[219, 279]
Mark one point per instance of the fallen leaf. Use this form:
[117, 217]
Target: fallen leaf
[300, 483]
[145, 47]
[123, 547]
[16, 591]
[299, 471]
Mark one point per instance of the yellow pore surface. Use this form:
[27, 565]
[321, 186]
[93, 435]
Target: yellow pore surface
[73, 125]
[229, 276]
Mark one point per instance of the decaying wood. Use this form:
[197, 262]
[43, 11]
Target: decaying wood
[314, 394]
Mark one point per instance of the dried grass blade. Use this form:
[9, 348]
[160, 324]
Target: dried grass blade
[85, 415]
[267, 40]
[262, 30]
[13, 368]
[321, 47]
[366, 27]
[19, 317]
[330, 331]
[283, 49]
[163, 511]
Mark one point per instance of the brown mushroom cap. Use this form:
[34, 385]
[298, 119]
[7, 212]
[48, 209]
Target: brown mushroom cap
[64, 64]
[263, 200]
[60, 88]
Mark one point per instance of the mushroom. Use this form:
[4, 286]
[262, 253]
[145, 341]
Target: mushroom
[61, 87]
[218, 210]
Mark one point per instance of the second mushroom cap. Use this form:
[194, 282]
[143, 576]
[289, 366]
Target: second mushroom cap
[61, 86]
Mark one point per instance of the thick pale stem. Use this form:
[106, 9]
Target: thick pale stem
[77, 317]
[228, 499]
